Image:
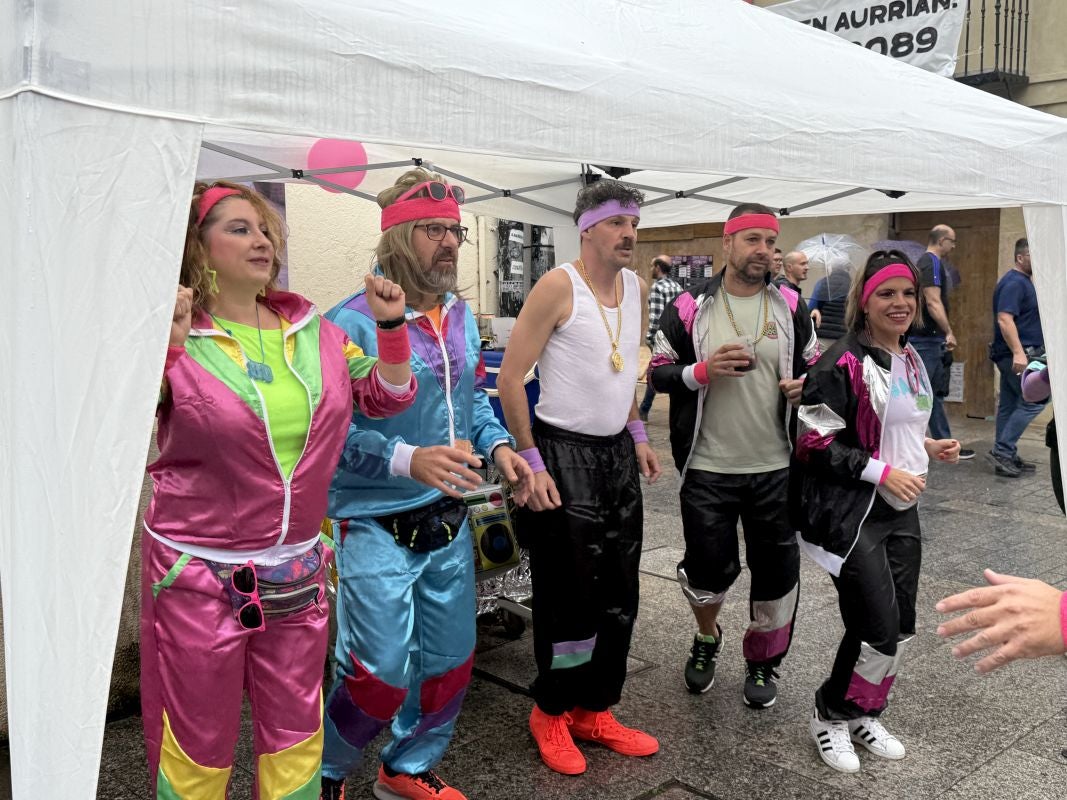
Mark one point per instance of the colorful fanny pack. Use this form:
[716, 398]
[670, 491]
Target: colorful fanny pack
[284, 588]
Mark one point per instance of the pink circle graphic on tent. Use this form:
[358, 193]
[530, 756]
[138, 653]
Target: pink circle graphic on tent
[330, 153]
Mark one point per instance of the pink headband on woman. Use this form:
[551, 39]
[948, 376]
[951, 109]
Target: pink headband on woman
[419, 208]
[888, 272]
[750, 221]
[208, 200]
[612, 208]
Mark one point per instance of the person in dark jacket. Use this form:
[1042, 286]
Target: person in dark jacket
[731, 353]
[860, 464]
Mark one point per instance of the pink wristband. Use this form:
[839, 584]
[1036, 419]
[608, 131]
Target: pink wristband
[700, 373]
[885, 474]
[394, 347]
[532, 456]
[637, 430]
[1063, 618]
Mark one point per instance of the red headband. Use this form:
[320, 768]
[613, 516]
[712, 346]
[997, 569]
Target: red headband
[419, 208]
[888, 272]
[208, 200]
[750, 221]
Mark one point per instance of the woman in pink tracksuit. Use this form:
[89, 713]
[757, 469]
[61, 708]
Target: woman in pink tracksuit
[257, 400]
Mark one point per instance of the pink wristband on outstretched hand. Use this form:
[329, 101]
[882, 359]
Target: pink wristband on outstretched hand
[637, 430]
[532, 456]
[394, 347]
[173, 354]
[1063, 618]
[700, 373]
[885, 474]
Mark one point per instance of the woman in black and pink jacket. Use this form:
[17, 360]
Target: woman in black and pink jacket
[859, 466]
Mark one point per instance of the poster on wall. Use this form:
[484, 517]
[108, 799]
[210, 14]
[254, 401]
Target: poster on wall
[923, 33]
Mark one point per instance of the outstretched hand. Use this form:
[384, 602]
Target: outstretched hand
[1014, 618]
[182, 320]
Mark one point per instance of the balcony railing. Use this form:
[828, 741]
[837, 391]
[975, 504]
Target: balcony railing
[995, 36]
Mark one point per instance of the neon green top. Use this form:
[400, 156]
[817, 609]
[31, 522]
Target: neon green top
[285, 397]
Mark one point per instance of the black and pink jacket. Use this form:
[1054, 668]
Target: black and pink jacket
[836, 469]
[679, 346]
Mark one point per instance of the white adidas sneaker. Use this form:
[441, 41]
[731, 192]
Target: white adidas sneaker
[871, 733]
[834, 743]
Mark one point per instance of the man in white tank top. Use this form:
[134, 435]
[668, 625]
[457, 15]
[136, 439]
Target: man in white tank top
[583, 324]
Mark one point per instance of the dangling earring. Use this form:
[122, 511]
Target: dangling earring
[213, 287]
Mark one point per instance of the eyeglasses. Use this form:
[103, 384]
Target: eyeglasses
[436, 190]
[435, 232]
[947, 239]
[244, 584]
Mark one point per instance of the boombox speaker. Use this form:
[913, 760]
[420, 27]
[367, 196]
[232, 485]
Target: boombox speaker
[489, 515]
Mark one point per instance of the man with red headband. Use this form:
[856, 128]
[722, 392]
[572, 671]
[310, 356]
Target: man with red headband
[582, 324]
[405, 598]
[731, 353]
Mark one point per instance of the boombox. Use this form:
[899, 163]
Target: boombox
[489, 514]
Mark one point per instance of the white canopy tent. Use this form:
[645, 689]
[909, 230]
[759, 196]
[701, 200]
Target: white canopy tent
[103, 110]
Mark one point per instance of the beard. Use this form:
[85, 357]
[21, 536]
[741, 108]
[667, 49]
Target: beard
[442, 279]
[751, 272]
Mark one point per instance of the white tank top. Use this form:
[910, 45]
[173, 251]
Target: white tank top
[580, 390]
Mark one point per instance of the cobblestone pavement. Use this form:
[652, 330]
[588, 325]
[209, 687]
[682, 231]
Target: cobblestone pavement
[968, 736]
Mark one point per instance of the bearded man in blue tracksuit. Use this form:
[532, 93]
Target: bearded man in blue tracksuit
[405, 601]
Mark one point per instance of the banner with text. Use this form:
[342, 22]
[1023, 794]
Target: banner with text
[924, 33]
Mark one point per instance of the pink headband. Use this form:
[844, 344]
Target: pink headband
[419, 208]
[750, 221]
[208, 200]
[888, 272]
[612, 208]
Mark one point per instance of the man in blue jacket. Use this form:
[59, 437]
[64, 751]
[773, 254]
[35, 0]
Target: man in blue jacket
[405, 600]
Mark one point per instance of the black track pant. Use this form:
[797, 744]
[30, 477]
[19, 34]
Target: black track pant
[584, 558]
[876, 592]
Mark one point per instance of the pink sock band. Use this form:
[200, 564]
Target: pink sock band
[532, 456]
[637, 430]
[394, 346]
[1063, 618]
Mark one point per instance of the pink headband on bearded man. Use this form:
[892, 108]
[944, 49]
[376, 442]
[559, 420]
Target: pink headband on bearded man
[407, 209]
[208, 200]
[612, 208]
[888, 272]
[746, 221]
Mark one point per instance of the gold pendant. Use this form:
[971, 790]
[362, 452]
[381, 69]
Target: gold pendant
[616, 361]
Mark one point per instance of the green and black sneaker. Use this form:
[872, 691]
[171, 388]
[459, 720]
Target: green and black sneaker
[700, 668]
[760, 689]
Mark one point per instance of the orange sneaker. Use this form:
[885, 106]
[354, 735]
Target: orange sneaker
[603, 728]
[423, 786]
[555, 742]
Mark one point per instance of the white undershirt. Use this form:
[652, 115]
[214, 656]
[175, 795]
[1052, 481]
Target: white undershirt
[904, 429]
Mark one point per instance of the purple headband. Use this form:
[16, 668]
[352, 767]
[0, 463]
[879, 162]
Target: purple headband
[612, 208]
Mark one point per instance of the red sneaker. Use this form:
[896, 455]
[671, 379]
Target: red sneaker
[555, 742]
[423, 786]
[603, 728]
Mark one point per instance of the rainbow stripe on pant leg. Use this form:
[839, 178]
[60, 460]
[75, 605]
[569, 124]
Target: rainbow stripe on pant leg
[181, 778]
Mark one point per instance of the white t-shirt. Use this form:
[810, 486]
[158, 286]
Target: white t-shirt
[904, 429]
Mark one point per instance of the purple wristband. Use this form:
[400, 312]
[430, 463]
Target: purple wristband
[637, 430]
[532, 456]
[1063, 618]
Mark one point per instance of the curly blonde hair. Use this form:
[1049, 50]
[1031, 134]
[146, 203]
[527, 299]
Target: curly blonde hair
[196, 266]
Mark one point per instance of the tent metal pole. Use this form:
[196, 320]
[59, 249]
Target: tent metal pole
[819, 202]
[291, 172]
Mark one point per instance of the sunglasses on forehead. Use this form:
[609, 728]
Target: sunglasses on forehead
[436, 190]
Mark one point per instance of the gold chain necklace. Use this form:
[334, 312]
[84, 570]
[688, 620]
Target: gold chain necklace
[766, 316]
[616, 356]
